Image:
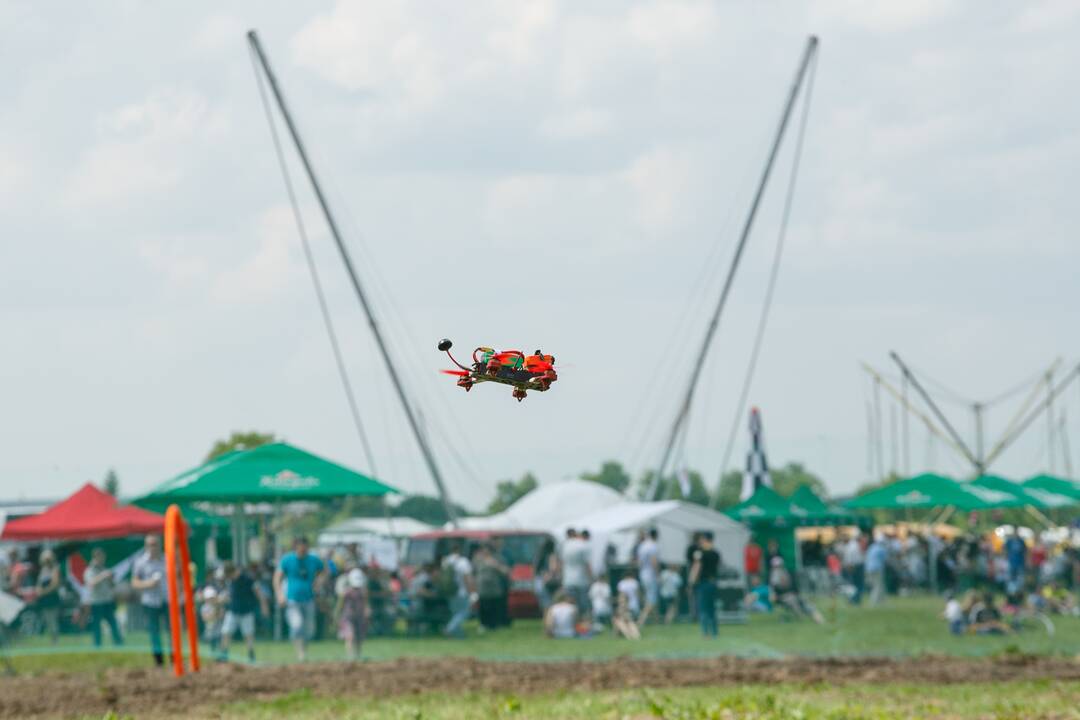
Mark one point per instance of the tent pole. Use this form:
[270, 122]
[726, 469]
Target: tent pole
[710, 331]
[391, 366]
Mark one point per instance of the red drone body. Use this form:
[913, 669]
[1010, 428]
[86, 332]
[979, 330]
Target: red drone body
[507, 367]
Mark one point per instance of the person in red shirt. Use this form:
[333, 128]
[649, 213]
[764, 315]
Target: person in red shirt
[752, 559]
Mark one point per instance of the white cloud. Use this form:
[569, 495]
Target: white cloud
[659, 178]
[271, 272]
[665, 26]
[219, 31]
[880, 15]
[145, 148]
[13, 173]
[575, 124]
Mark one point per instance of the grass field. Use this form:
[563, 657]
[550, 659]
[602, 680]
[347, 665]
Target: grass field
[1010, 701]
[904, 627]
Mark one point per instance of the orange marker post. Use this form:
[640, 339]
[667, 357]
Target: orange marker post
[176, 538]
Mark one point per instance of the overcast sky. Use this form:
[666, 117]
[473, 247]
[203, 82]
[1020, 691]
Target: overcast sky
[563, 175]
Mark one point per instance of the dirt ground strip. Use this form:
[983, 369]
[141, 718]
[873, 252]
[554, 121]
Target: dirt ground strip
[149, 692]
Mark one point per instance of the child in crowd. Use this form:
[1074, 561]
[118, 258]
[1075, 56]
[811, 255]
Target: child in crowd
[212, 610]
[954, 615]
[623, 622]
[600, 600]
[560, 620]
[630, 589]
[670, 584]
[352, 612]
[759, 599]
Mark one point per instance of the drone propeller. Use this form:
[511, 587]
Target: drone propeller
[456, 373]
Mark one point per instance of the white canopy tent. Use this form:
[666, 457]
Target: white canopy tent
[381, 540]
[675, 521]
[549, 507]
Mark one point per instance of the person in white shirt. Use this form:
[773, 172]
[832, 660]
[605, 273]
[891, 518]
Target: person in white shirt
[648, 562]
[577, 575]
[954, 615]
[630, 589]
[600, 599]
[465, 595]
[670, 584]
[560, 620]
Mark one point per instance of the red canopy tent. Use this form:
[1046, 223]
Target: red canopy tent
[89, 514]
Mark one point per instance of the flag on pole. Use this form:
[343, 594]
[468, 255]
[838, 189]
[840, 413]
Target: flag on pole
[757, 466]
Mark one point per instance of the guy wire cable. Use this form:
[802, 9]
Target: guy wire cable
[773, 274]
[316, 281]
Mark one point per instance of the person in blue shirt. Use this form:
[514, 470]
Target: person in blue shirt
[1016, 554]
[295, 581]
[876, 556]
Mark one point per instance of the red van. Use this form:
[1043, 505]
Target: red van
[519, 548]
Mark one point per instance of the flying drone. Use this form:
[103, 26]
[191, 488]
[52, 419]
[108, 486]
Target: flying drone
[507, 367]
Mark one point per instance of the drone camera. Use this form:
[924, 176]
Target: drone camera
[445, 344]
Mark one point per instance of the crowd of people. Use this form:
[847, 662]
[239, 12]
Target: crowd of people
[990, 582]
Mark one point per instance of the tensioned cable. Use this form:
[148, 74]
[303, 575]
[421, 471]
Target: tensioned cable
[773, 274]
[316, 281]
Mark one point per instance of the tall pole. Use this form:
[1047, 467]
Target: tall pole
[907, 429]
[980, 453]
[710, 331]
[879, 438]
[1050, 421]
[410, 413]
[979, 467]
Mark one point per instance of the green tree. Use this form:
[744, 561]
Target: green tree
[612, 474]
[730, 489]
[669, 488]
[240, 441]
[794, 475]
[111, 483]
[426, 509]
[507, 492]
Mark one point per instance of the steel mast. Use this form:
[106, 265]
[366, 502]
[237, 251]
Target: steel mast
[410, 413]
[710, 331]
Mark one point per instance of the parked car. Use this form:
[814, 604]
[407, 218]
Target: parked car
[519, 549]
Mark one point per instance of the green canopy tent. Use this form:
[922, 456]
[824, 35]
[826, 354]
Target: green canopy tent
[822, 513]
[767, 505]
[1031, 496]
[277, 472]
[933, 491]
[771, 517]
[1056, 485]
[264, 474]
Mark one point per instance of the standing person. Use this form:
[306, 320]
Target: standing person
[244, 597]
[853, 559]
[295, 581]
[691, 550]
[101, 591]
[703, 575]
[648, 562]
[577, 575]
[670, 583]
[502, 555]
[464, 593]
[148, 578]
[547, 573]
[351, 612]
[876, 557]
[1016, 554]
[491, 577]
[47, 600]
